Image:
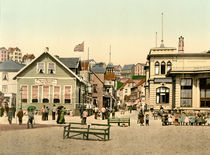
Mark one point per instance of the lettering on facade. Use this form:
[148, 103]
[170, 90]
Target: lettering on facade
[163, 80]
[45, 82]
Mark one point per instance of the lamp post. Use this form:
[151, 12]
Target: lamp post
[21, 90]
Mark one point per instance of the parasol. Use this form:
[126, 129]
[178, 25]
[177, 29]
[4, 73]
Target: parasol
[60, 107]
[31, 107]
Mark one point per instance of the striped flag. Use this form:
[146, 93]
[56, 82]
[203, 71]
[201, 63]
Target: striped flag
[79, 47]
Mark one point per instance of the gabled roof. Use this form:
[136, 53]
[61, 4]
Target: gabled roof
[3, 48]
[128, 81]
[71, 63]
[98, 70]
[140, 83]
[141, 64]
[57, 60]
[10, 66]
[128, 67]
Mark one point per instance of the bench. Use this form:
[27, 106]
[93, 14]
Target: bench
[119, 120]
[78, 128]
[101, 131]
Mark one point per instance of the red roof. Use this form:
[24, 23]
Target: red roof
[128, 81]
[85, 65]
[28, 56]
[140, 83]
[110, 76]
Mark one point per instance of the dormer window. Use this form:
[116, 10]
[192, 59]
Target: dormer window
[51, 68]
[40, 67]
[5, 76]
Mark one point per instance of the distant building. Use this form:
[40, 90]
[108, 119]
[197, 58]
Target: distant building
[15, 54]
[97, 82]
[117, 70]
[138, 93]
[110, 86]
[139, 69]
[125, 90]
[27, 58]
[7, 71]
[3, 54]
[128, 70]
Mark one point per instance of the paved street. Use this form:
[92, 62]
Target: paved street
[153, 139]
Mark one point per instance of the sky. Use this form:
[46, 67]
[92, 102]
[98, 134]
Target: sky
[129, 26]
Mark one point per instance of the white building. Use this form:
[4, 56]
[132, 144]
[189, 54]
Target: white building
[7, 71]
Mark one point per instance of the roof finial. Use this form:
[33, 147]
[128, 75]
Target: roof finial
[156, 39]
[162, 45]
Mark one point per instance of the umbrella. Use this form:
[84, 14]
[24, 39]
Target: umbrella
[60, 107]
[31, 107]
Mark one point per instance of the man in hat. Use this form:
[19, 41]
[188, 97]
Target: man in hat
[20, 116]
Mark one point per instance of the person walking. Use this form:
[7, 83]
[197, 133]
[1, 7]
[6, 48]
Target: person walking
[10, 115]
[84, 116]
[43, 112]
[30, 118]
[62, 118]
[147, 119]
[113, 113]
[46, 113]
[20, 116]
[103, 110]
[130, 108]
[53, 112]
[96, 112]
[58, 115]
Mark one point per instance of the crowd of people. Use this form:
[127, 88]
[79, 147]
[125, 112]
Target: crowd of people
[184, 118]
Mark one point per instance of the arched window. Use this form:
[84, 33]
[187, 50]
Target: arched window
[163, 67]
[162, 95]
[157, 67]
[169, 65]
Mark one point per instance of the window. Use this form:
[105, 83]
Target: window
[56, 94]
[24, 93]
[163, 67]
[157, 67]
[186, 92]
[51, 68]
[94, 88]
[169, 66]
[4, 76]
[40, 67]
[204, 92]
[4, 88]
[126, 90]
[45, 94]
[67, 97]
[162, 95]
[35, 94]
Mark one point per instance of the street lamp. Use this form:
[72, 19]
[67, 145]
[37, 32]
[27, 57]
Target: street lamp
[21, 90]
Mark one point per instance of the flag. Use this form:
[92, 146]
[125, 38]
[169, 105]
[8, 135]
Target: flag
[79, 47]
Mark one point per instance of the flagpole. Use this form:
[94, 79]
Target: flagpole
[88, 54]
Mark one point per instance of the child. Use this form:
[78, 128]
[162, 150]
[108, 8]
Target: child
[147, 119]
[186, 120]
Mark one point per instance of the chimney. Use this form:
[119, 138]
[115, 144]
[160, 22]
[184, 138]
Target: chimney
[181, 45]
[46, 49]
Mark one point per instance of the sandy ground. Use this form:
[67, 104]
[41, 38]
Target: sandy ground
[135, 140]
